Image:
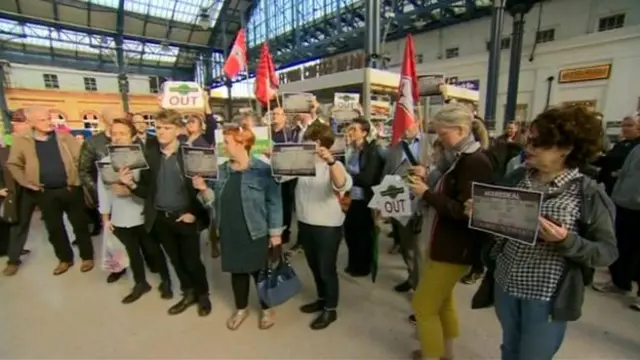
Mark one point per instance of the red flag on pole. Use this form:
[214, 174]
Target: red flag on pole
[266, 83]
[404, 114]
[237, 59]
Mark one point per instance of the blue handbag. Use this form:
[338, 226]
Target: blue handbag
[277, 284]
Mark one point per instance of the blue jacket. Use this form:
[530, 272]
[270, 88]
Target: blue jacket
[261, 198]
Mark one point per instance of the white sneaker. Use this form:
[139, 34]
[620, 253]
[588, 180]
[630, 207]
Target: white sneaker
[609, 288]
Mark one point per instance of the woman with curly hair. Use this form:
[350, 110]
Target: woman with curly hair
[539, 288]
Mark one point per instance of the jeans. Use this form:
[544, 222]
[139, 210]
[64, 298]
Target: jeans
[321, 244]
[528, 333]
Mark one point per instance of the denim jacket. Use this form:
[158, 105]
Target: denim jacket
[261, 198]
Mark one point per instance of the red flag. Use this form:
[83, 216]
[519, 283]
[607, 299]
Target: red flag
[237, 60]
[404, 114]
[266, 83]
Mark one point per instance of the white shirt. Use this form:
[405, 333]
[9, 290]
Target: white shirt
[125, 211]
[316, 199]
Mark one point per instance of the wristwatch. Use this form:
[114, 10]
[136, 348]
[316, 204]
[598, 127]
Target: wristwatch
[333, 162]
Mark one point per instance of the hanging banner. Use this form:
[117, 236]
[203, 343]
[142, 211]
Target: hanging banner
[182, 95]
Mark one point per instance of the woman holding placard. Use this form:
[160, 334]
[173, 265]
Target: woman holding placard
[320, 220]
[453, 246]
[248, 205]
[540, 287]
[122, 213]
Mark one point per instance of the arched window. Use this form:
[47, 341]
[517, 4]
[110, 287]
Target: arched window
[150, 119]
[91, 121]
[58, 117]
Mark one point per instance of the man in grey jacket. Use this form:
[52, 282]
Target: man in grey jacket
[626, 196]
[407, 236]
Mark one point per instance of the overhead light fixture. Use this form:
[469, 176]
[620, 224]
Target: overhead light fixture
[204, 19]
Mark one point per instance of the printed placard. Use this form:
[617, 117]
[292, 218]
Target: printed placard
[199, 161]
[508, 212]
[127, 157]
[107, 174]
[346, 101]
[262, 144]
[182, 95]
[293, 159]
[300, 102]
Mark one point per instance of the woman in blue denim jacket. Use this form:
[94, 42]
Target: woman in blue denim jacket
[248, 205]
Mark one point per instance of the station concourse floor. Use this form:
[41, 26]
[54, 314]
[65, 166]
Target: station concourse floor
[79, 316]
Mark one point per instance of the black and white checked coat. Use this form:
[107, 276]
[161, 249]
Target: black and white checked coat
[533, 272]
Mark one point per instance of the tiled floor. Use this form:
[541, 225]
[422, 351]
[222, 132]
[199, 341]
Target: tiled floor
[79, 316]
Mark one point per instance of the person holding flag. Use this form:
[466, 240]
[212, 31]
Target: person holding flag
[409, 152]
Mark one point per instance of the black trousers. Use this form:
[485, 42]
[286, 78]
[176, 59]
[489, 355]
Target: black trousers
[54, 203]
[134, 240]
[358, 234]
[241, 283]
[626, 268]
[321, 244]
[181, 242]
[288, 200]
[19, 233]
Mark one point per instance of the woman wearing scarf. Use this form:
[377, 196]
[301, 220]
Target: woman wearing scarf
[453, 246]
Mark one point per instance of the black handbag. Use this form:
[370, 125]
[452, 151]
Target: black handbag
[484, 296]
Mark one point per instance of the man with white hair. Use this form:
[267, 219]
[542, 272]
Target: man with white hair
[45, 163]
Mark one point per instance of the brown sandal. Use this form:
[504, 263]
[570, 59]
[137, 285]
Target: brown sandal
[236, 320]
[62, 268]
[266, 320]
[87, 265]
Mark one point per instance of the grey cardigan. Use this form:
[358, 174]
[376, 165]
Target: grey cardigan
[593, 246]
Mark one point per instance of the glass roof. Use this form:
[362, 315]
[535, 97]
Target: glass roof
[184, 11]
[48, 37]
[276, 17]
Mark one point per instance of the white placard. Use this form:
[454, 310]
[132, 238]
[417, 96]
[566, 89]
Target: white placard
[262, 144]
[182, 95]
[346, 101]
[392, 198]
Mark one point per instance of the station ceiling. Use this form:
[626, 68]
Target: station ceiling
[173, 38]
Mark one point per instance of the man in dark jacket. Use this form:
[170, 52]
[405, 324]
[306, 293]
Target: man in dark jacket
[18, 204]
[93, 150]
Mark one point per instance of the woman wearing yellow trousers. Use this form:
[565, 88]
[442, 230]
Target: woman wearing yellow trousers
[453, 246]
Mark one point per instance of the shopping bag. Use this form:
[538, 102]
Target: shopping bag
[277, 284]
[114, 254]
